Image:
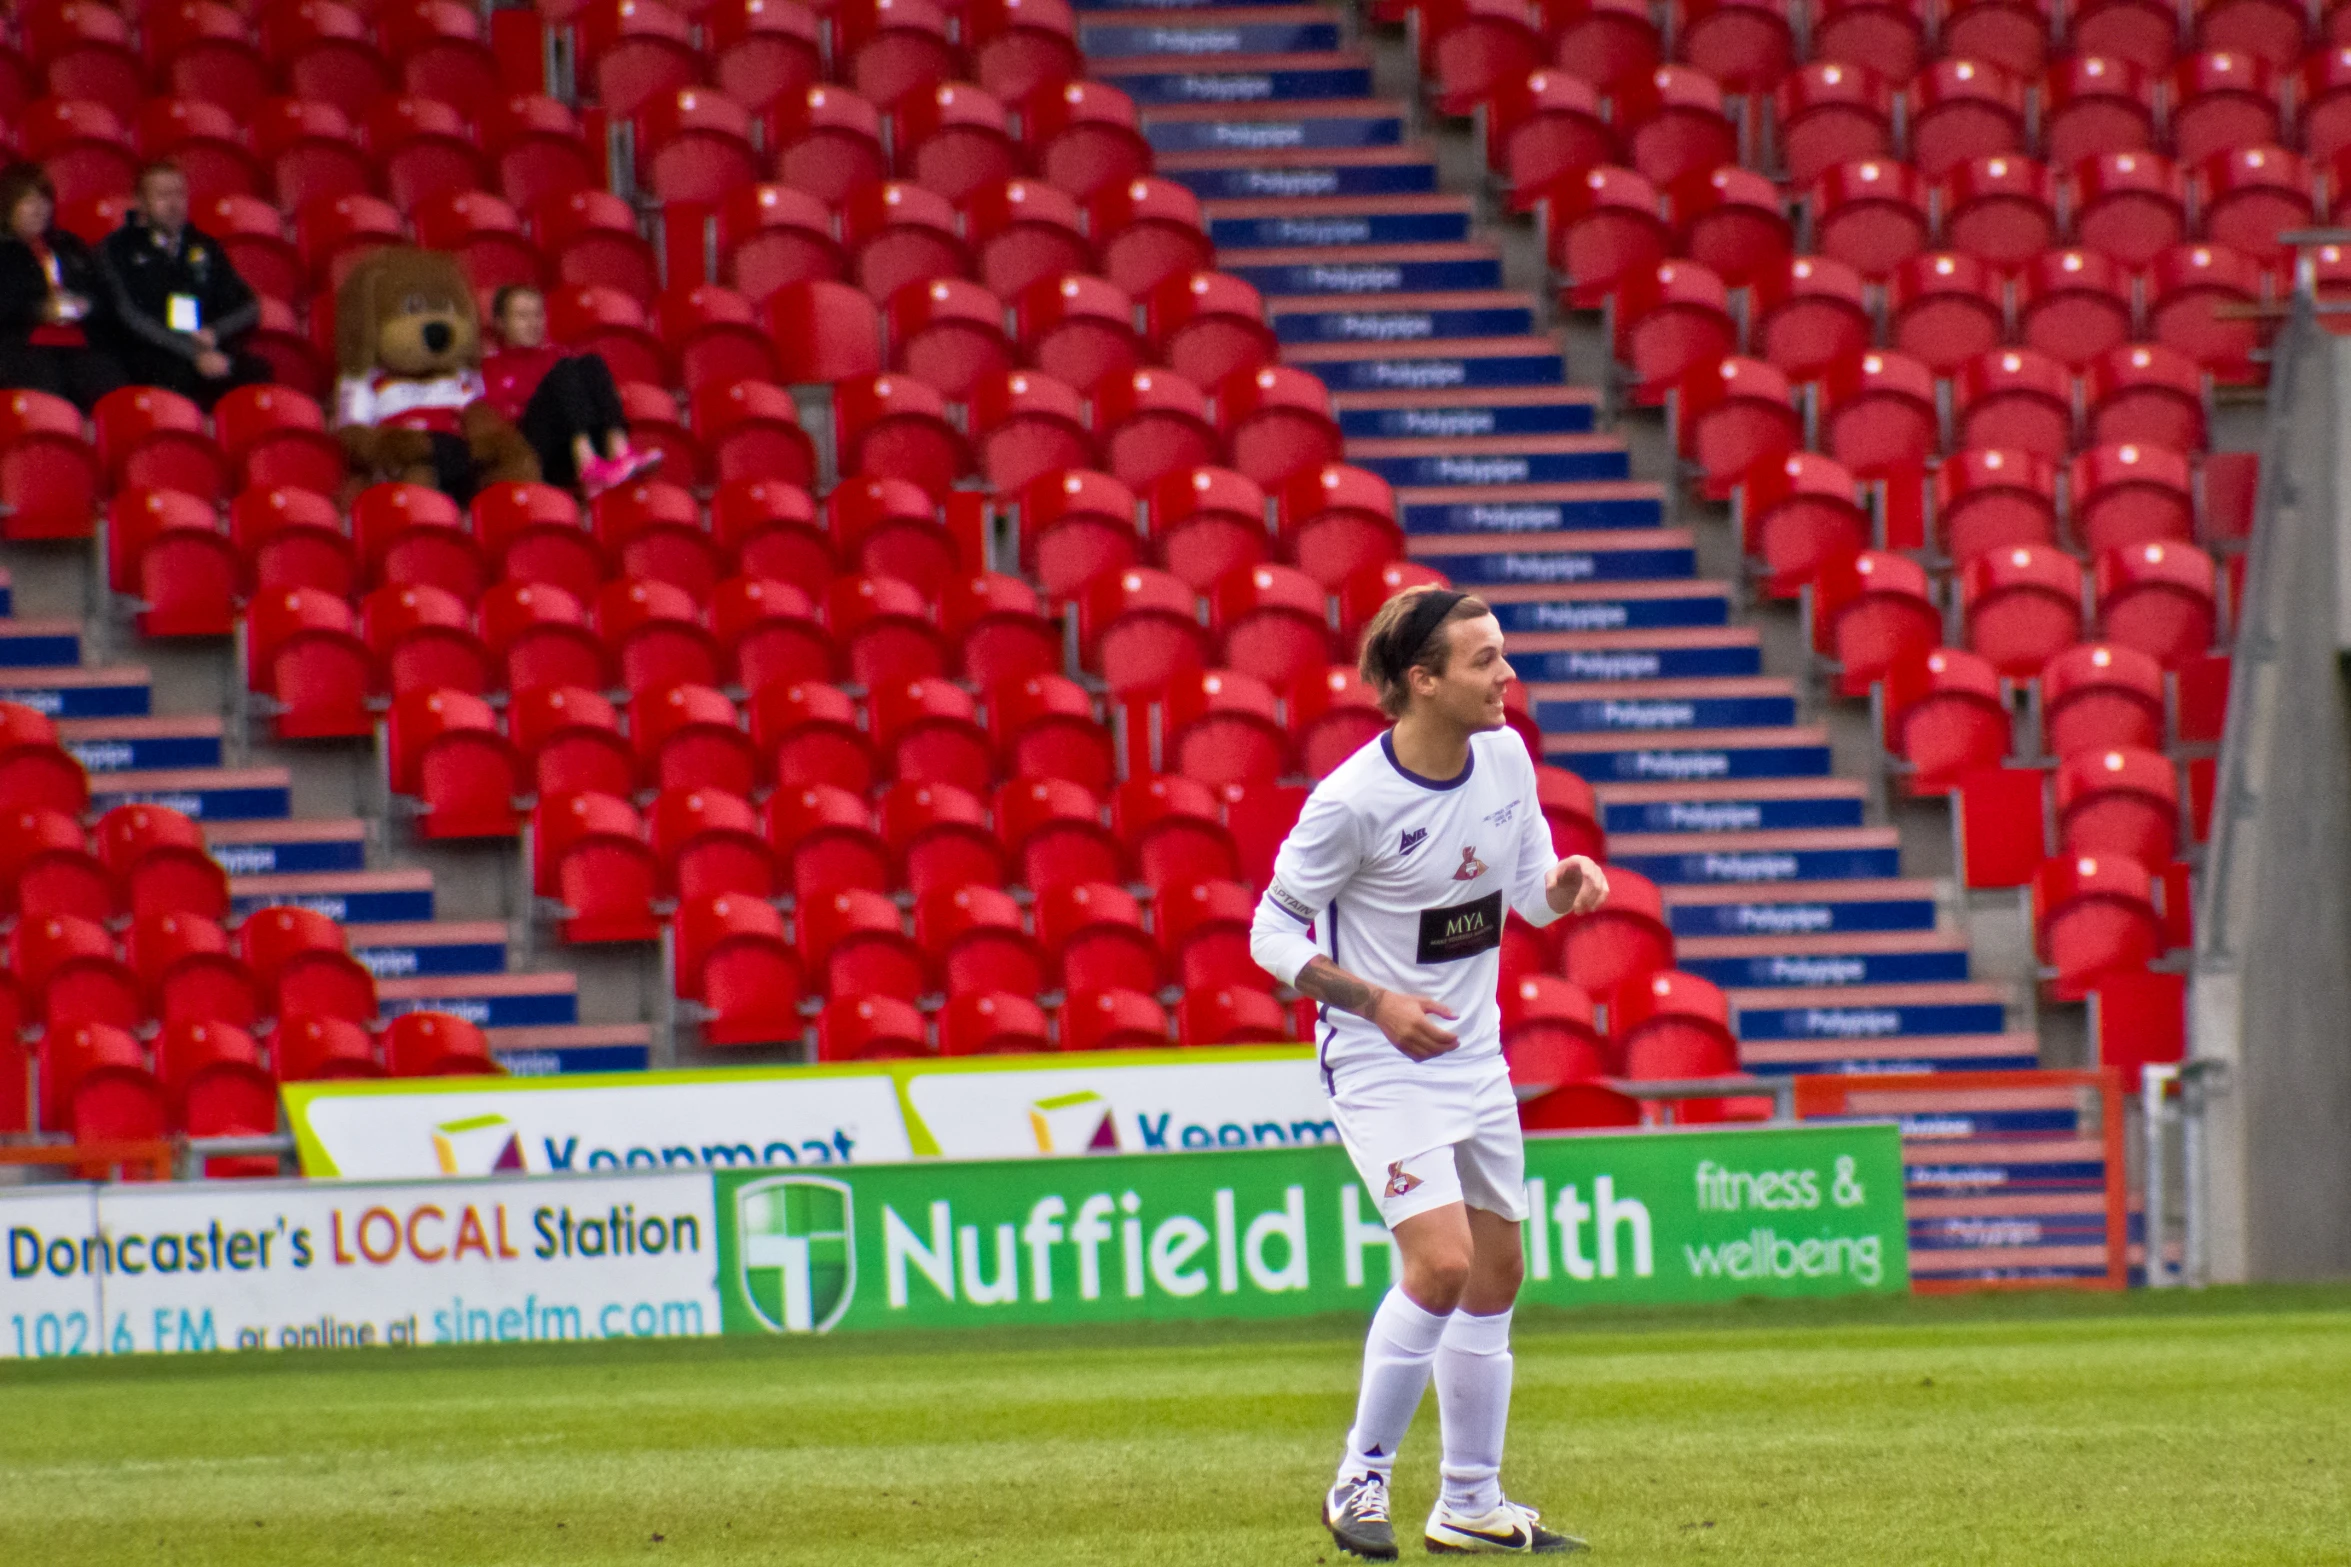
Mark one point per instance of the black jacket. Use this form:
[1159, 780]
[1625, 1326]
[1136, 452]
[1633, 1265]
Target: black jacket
[141, 274]
[24, 286]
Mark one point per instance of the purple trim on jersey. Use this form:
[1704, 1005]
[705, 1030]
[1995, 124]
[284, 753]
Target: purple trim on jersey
[1388, 749]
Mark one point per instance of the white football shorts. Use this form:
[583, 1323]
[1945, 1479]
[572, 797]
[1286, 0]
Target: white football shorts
[1422, 1141]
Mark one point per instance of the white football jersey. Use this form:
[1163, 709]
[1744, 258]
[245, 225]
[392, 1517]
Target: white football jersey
[1405, 882]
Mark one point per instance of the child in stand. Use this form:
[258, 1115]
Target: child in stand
[565, 405]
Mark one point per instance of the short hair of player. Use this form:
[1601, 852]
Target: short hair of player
[1386, 663]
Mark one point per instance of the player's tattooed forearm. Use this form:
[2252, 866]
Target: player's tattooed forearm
[1326, 982]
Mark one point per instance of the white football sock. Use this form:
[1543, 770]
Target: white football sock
[1473, 1410]
[1396, 1355]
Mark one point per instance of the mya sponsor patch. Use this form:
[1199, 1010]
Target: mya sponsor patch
[1461, 930]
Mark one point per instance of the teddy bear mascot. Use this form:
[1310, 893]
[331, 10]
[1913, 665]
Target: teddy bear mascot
[408, 390]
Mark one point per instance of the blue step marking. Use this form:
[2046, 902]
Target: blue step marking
[1829, 968]
[559, 1060]
[130, 699]
[1724, 815]
[351, 908]
[406, 960]
[1961, 1177]
[1338, 179]
[521, 1011]
[1112, 40]
[7, 599]
[1501, 566]
[1801, 918]
[1489, 468]
[1438, 373]
[20, 649]
[1681, 763]
[1699, 609]
[1646, 663]
[1872, 1022]
[1370, 277]
[1346, 228]
[1654, 713]
[1466, 419]
[1400, 326]
[1765, 865]
[1149, 88]
[1981, 1123]
[286, 859]
[1314, 132]
[205, 804]
[147, 752]
[1505, 517]
[1968, 1234]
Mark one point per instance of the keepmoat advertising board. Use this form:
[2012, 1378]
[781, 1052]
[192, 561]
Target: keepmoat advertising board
[786, 1248]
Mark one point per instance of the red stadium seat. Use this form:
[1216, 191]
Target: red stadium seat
[1221, 727]
[2119, 801]
[976, 942]
[423, 640]
[48, 866]
[1734, 416]
[772, 235]
[1947, 308]
[1808, 314]
[1272, 622]
[591, 236]
[1799, 513]
[1205, 522]
[1991, 498]
[870, 1028]
[1962, 109]
[1203, 927]
[1607, 42]
[81, 144]
[2001, 209]
[2094, 915]
[1470, 48]
[1834, 110]
[1731, 220]
[1053, 827]
[939, 834]
[2160, 598]
[2147, 393]
[986, 1022]
[882, 630]
[953, 138]
[1675, 124]
[2222, 99]
[1887, 36]
[49, 474]
[1172, 827]
[1624, 939]
[304, 651]
[855, 940]
[594, 860]
[825, 837]
[1083, 136]
[1599, 227]
[1544, 126]
[998, 628]
[1946, 716]
[290, 538]
[2015, 399]
[303, 963]
[2101, 695]
[1870, 214]
[1146, 230]
[1871, 610]
[2131, 494]
[436, 1044]
[1113, 1019]
[2022, 604]
[826, 141]
[690, 735]
[949, 332]
[2188, 288]
[2091, 105]
[1879, 414]
[809, 733]
[1019, 47]
[751, 432]
[2129, 206]
[2073, 305]
[1671, 320]
[34, 769]
[898, 425]
[445, 749]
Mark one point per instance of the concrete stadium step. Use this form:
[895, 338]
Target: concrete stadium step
[1610, 606]
[1441, 462]
[1791, 751]
[437, 948]
[1802, 908]
[1868, 1012]
[209, 794]
[1326, 222]
[1698, 653]
[563, 1049]
[1894, 957]
[1284, 77]
[1575, 556]
[1401, 318]
[1440, 364]
[1408, 170]
[486, 1000]
[1273, 127]
[1503, 510]
[283, 847]
[40, 642]
[1148, 32]
[1738, 702]
[1746, 858]
[1736, 805]
[63, 691]
[1938, 1117]
[347, 897]
[117, 745]
[1504, 410]
[1988, 1052]
[1366, 270]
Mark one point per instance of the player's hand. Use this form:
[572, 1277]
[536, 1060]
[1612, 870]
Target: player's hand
[1575, 886]
[1409, 1022]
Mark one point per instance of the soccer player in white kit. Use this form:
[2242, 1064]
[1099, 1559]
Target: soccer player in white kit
[1386, 905]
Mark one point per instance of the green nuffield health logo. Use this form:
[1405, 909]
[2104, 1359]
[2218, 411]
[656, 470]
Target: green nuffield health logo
[796, 1255]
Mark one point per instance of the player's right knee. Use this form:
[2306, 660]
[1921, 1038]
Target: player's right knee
[1436, 1283]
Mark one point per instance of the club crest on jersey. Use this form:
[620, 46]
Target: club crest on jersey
[1400, 1180]
[1471, 866]
[1413, 838]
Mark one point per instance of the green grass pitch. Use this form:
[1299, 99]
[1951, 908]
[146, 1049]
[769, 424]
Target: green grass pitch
[2152, 1429]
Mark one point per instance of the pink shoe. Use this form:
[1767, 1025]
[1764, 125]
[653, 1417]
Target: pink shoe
[610, 473]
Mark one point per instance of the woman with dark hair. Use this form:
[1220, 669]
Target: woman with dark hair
[51, 298]
[565, 404]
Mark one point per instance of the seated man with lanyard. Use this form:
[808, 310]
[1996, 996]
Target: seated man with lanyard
[179, 304]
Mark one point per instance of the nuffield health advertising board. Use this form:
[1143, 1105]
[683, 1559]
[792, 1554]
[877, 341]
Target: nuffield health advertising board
[1620, 1218]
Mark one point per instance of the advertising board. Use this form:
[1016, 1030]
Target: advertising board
[1261, 1232]
[864, 1113]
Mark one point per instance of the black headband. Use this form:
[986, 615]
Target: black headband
[1412, 633]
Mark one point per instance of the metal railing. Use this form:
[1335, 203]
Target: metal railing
[2175, 1093]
